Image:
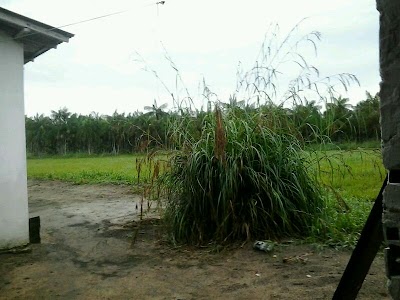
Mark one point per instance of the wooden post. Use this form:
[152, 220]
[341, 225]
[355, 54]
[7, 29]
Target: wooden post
[363, 255]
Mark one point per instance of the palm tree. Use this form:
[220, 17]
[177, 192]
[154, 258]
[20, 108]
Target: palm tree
[38, 134]
[156, 110]
[339, 106]
[307, 118]
[367, 117]
[338, 116]
[117, 133]
[60, 119]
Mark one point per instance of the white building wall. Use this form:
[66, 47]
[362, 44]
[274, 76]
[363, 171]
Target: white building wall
[14, 216]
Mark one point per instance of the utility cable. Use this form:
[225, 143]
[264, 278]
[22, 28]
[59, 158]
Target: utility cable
[85, 21]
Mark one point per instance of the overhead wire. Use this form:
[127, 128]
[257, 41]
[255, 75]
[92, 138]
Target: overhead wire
[153, 3]
[86, 20]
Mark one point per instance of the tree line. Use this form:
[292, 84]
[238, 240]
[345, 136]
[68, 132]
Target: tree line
[64, 132]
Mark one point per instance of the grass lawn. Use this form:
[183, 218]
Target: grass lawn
[123, 169]
[353, 174]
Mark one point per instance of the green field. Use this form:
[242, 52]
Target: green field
[123, 169]
[353, 174]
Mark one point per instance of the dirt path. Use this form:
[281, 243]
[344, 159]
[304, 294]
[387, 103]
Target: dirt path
[87, 252]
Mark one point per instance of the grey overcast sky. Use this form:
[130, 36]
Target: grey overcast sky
[97, 70]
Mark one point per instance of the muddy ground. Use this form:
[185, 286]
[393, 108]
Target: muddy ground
[92, 249]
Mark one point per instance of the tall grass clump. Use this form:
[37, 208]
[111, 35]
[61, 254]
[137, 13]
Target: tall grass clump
[242, 179]
[246, 174]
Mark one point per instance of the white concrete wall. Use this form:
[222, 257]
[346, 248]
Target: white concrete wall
[14, 216]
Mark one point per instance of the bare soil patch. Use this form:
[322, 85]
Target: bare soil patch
[93, 248]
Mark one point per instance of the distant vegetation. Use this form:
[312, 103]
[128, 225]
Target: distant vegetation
[65, 133]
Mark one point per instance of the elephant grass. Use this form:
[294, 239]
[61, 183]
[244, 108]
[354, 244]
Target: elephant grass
[244, 178]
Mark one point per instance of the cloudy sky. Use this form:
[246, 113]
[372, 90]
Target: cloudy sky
[98, 70]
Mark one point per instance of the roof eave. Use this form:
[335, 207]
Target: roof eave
[36, 26]
[36, 37]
